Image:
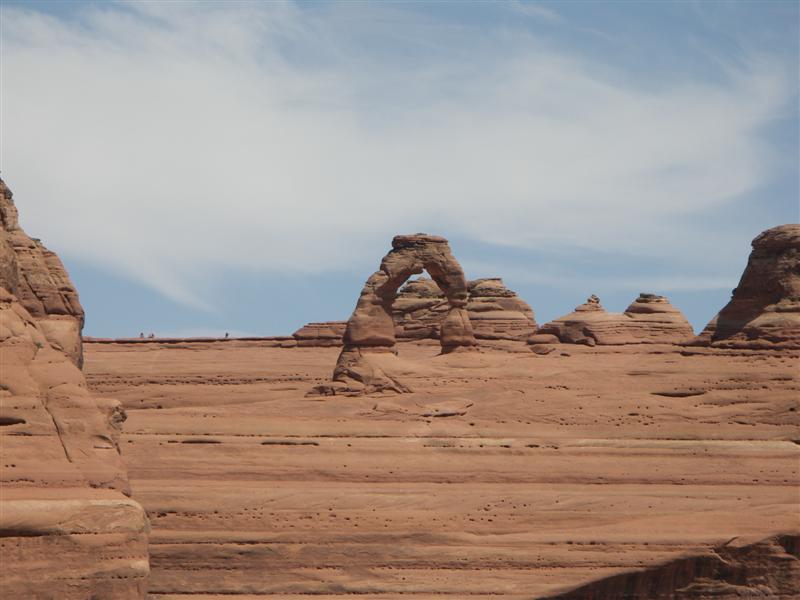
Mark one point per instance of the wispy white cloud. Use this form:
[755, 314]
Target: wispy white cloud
[530, 8]
[174, 141]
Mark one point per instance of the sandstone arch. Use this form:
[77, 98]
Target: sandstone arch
[371, 330]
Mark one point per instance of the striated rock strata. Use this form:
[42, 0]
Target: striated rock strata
[496, 313]
[764, 310]
[650, 319]
[371, 329]
[67, 528]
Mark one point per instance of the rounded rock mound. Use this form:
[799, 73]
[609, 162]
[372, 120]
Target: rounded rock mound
[650, 319]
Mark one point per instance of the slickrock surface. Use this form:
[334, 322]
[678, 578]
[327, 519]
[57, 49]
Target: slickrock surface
[503, 475]
[67, 529]
[366, 361]
[495, 312]
[650, 319]
[764, 311]
[41, 284]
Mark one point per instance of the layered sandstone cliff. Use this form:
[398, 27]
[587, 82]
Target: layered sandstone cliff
[764, 310]
[64, 487]
[650, 319]
[495, 311]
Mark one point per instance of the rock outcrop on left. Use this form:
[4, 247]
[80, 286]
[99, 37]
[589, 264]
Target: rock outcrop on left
[370, 330]
[764, 310]
[42, 285]
[650, 319]
[68, 528]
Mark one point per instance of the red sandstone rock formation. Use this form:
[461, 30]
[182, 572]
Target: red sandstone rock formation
[42, 285]
[496, 313]
[764, 310]
[650, 319]
[371, 328]
[63, 482]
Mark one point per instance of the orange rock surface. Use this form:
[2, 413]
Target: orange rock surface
[504, 474]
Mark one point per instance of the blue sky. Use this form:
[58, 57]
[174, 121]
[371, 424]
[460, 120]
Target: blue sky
[242, 167]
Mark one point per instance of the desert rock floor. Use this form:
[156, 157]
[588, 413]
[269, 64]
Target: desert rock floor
[504, 475]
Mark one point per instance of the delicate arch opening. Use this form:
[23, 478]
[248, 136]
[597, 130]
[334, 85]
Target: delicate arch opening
[371, 328]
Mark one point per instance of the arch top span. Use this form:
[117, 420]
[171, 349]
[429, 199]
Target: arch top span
[370, 328]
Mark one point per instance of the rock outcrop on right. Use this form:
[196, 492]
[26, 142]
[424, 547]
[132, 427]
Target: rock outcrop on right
[650, 319]
[764, 310]
[768, 568]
